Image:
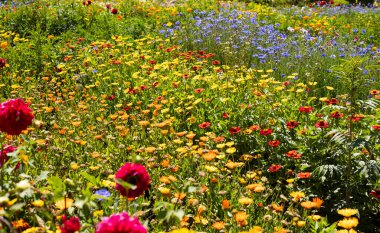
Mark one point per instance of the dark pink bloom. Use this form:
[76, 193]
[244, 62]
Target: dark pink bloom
[134, 174]
[3, 62]
[70, 225]
[3, 155]
[375, 193]
[15, 116]
[114, 11]
[120, 223]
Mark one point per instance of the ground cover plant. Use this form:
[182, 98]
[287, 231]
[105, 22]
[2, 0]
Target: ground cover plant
[189, 116]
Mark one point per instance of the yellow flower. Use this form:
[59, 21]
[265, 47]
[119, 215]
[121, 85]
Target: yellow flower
[348, 223]
[297, 195]
[98, 213]
[314, 217]
[33, 230]
[64, 203]
[301, 223]
[245, 200]
[38, 203]
[347, 212]
[347, 231]
[182, 230]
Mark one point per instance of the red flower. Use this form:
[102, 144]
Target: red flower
[15, 116]
[225, 116]
[114, 11]
[120, 223]
[266, 132]
[274, 143]
[204, 125]
[336, 115]
[254, 127]
[199, 90]
[322, 124]
[292, 124]
[108, 6]
[70, 225]
[234, 130]
[134, 174]
[293, 154]
[306, 109]
[333, 101]
[357, 117]
[375, 193]
[3, 62]
[218, 139]
[376, 127]
[304, 175]
[3, 155]
[216, 63]
[274, 168]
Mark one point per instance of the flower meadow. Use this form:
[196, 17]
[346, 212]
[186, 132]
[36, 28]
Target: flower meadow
[189, 116]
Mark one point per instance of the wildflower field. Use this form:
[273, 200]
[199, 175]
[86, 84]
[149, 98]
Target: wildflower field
[189, 116]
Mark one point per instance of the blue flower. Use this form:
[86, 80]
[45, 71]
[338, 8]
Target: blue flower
[102, 192]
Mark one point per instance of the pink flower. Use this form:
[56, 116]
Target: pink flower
[120, 223]
[15, 116]
[70, 225]
[134, 174]
[3, 155]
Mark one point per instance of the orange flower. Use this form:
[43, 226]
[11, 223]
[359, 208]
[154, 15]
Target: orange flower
[218, 225]
[278, 207]
[225, 204]
[318, 202]
[308, 205]
[241, 218]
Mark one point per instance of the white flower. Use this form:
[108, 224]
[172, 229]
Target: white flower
[24, 184]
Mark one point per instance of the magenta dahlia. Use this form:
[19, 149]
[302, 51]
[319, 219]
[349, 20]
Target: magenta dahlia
[134, 174]
[70, 225]
[120, 223]
[15, 116]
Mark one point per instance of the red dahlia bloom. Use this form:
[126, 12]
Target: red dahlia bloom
[114, 11]
[274, 168]
[322, 124]
[306, 109]
[204, 125]
[70, 225]
[234, 130]
[274, 143]
[292, 124]
[266, 132]
[3, 155]
[15, 116]
[134, 174]
[120, 223]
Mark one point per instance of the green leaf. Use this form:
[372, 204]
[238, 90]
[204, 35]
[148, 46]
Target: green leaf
[89, 177]
[42, 176]
[58, 186]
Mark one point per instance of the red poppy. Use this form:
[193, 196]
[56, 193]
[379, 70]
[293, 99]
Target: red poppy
[274, 168]
[322, 124]
[15, 116]
[304, 175]
[204, 125]
[336, 115]
[234, 130]
[293, 154]
[274, 143]
[376, 127]
[266, 132]
[306, 109]
[292, 124]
